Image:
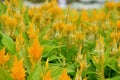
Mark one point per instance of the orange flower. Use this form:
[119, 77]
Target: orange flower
[19, 41]
[35, 51]
[47, 64]
[118, 5]
[82, 66]
[18, 71]
[110, 5]
[31, 31]
[14, 3]
[115, 35]
[47, 76]
[84, 15]
[79, 35]
[118, 24]
[3, 58]
[64, 75]
[9, 21]
[74, 15]
[70, 28]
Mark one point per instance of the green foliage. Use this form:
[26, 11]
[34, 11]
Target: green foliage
[4, 75]
[8, 43]
[3, 8]
[26, 17]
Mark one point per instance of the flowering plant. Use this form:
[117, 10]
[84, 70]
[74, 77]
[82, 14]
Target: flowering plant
[50, 43]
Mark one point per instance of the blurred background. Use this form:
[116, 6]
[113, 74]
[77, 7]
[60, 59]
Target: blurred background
[77, 4]
[70, 1]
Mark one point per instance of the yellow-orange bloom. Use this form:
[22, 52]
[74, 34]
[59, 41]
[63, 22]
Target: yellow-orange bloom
[3, 58]
[47, 64]
[83, 65]
[19, 41]
[118, 24]
[79, 35]
[64, 75]
[35, 51]
[14, 3]
[47, 76]
[31, 31]
[115, 35]
[9, 21]
[84, 15]
[110, 5]
[74, 15]
[118, 5]
[18, 71]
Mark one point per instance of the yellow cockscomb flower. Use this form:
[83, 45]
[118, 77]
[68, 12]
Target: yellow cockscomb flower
[114, 35]
[55, 11]
[70, 28]
[19, 41]
[59, 26]
[9, 21]
[118, 24]
[101, 16]
[93, 29]
[31, 12]
[110, 5]
[64, 75]
[118, 62]
[83, 65]
[118, 5]
[14, 3]
[18, 71]
[6, 2]
[96, 59]
[64, 28]
[3, 58]
[74, 15]
[47, 76]
[79, 35]
[84, 15]
[35, 51]
[31, 31]
[47, 64]
[100, 46]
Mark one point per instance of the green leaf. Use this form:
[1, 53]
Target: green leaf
[71, 69]
[4, 75]
[43, 32]
[113, 68]
[26, 38]
[35, 75]
[27, 63]
[9, 43]
[3, 8]
[115, 78]
[107, 52]
[56, 72]
[49, 42]
[88, 45]
[89, 71]
[26, 17]
[107, 58]
[53, 57]
[20, 4]
[10, 62]
[48, 49]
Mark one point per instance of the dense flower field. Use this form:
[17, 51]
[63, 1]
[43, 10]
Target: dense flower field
[50, 43]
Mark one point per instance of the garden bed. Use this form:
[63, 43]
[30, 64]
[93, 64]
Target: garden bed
[51, 43]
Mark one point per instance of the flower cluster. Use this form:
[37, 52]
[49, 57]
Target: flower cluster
[50, 43]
